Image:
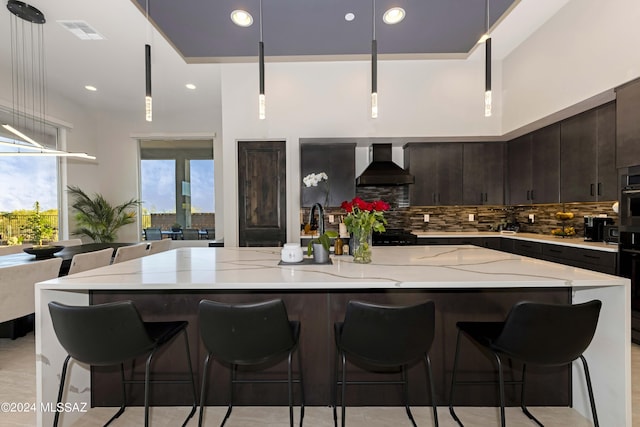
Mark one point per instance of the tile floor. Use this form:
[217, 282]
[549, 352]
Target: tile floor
[17, 384]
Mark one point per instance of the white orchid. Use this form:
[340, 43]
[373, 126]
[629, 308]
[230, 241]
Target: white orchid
[313, 179]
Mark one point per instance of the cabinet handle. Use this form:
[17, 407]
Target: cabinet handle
[599, 189]
[528, 194]
[591, 256]
[433, 197]
[438, 197]
[532, 195]
[486, 196]
[591, 190]
[481, 197]
[555, 251]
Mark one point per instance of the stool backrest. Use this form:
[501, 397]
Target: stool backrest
[548, 334]
[103, 334]
[245, 333]
[387, 335]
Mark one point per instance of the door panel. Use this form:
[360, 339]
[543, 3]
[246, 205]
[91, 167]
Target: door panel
[262, 193]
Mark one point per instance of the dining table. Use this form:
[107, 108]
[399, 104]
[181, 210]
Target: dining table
[66, 254]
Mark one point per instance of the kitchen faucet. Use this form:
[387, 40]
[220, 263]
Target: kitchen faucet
[320, 217]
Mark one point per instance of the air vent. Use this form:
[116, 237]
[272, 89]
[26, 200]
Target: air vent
[82, 30]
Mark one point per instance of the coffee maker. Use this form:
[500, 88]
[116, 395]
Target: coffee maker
[594, 228]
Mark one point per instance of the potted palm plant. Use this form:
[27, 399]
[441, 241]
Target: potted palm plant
[97, 219]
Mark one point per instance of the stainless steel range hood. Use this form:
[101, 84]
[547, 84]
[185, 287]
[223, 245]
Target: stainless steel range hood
[382, 170]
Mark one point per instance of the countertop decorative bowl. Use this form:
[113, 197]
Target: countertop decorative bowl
[44, 251]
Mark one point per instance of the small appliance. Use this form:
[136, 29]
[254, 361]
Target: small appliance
[611, 234]
[594, 228]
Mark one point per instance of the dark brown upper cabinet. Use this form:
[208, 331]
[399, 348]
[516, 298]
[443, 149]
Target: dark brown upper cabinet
[437, 168]
[483, 173]
[338, 161]
[587, 151]
[628, 125]
[533, 167]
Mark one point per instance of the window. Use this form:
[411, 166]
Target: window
[177, 184]
[27, 180]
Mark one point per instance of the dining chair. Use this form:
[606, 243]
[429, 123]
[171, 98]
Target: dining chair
[534, 334]
[153, 233]
[210, 233]
[13, 249]
[126, 253]
[190, 234]
[249, 335]
[157, 246]
[90, 260]
[70, 242]
[17, 293]
[383, 338]
[113, 333]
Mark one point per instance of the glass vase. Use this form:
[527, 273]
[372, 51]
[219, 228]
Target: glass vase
[361, 246]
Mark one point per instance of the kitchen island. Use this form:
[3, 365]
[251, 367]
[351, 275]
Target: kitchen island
[466, 283]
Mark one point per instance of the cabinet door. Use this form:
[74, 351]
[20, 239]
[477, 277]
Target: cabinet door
[483, 173]
[449, 179]
[421, 161]
[545, 165]
[519, 170]
[628, 125]
[473, 174]
[493, 173]
[578, 174]
[607, 183]
[338, 162]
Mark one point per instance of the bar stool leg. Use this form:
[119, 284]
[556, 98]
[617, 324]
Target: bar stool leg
[453, 381]
[63, 376]
[203, 390]
[590, 390]
[193, 384]
[501, 381]
[302, 401]
[427, 361]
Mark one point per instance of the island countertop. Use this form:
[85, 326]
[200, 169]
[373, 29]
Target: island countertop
[402, 267]
[407, 270]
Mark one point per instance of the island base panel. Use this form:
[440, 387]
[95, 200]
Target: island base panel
[317, 311]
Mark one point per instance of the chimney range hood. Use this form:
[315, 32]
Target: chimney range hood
[382, 170]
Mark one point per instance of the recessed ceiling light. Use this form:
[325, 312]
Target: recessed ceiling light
[91, 88]
[241, 18]
[393, 15]
[349, 16]
[190, 86]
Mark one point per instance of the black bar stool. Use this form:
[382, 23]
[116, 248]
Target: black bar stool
[533, 333]
[377, 336]
[249, 335]
[111, 334]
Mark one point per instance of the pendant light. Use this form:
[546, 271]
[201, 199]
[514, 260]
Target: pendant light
[487, 68]
[374, 68]
[261, 98]
[148, 102]
[28, 85]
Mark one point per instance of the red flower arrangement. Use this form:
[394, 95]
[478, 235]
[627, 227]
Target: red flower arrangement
[363, 218]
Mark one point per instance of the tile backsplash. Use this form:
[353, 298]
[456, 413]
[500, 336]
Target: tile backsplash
[485, 218]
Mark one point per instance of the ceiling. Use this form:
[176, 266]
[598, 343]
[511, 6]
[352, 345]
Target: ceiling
[201, 30]
[191, 34]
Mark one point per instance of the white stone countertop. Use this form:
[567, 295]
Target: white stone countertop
[576, 242]
[393, 267]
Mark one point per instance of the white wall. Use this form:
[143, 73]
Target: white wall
[331, 99]
[588, 47]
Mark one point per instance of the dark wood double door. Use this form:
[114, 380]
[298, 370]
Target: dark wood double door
[262, 201]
